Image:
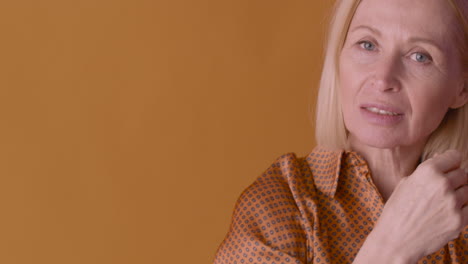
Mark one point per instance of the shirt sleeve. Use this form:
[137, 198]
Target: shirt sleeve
[458, 248]
[266, 226]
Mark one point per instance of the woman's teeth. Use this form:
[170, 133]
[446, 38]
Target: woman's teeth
[380, 111]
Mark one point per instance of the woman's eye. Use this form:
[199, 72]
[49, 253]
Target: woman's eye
[367, 45]
[420, 57]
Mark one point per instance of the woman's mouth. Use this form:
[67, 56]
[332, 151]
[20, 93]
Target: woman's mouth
[380, 111]
[381, 115]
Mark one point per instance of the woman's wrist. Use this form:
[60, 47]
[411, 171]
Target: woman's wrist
[378, 248]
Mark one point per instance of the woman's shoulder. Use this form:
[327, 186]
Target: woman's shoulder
[279, 181]
[267, 217]
[293, 175]
[270, 215]
[290, 165]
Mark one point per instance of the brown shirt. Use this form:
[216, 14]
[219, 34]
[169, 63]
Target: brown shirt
[317, 209]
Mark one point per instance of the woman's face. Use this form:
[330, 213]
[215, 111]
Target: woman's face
[400, 71]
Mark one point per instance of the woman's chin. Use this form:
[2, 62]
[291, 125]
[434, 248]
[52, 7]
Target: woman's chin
[377, 141]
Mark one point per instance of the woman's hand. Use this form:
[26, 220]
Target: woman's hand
[425, 211]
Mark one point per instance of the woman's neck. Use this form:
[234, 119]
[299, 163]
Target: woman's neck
[388, 166]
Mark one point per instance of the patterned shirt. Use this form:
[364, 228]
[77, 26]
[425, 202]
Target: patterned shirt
[317, 209]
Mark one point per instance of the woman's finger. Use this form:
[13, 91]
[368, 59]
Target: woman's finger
[465, 216]
[461, 194]
[447, 161]
[457, 178]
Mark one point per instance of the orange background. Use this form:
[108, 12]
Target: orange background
[129, 128]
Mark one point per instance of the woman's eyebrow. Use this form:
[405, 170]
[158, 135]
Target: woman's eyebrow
[426, 41]
[369, 28]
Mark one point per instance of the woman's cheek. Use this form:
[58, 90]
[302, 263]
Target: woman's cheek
[354, 65]
[427, 85]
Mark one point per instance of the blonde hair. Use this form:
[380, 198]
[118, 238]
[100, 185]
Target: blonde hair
[330, 130]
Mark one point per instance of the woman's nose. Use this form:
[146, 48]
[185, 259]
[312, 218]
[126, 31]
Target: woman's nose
[387, 74]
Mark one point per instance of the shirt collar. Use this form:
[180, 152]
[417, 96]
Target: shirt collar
[326, 166]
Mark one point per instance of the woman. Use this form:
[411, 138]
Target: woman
[388, 182]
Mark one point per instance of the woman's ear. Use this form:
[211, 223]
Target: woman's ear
[462, 96]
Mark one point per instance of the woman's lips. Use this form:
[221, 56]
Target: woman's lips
[380, 111]
[381, 114]
[385, 108]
